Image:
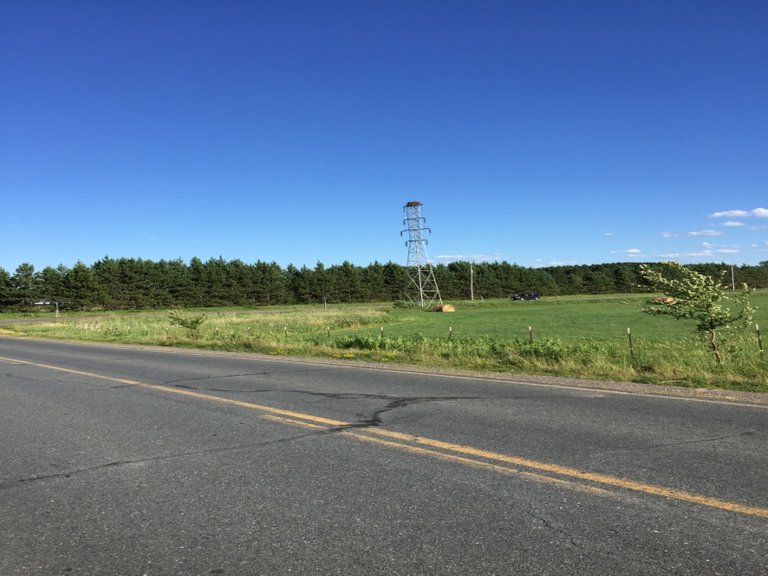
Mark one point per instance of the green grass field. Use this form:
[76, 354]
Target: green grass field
[603, 318]
[579, 336]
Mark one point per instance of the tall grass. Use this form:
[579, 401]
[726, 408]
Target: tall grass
[579, 337]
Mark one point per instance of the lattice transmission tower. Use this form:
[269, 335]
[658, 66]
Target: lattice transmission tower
[422, 288]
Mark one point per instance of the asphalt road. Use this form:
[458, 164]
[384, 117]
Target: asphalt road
[133, 461]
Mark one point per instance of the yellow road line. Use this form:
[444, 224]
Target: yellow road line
[361, 435]
[595, 477]
[192, 393]
[479, 464]
[469, 455]
[282, 420]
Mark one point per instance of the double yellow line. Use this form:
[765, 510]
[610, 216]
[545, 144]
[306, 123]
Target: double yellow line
[572, 478]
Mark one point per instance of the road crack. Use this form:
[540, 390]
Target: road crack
[374, 419]
[599, 549]
[159, 458]
[395, 404]
[180, 383]
[549, 526]
[680, 442]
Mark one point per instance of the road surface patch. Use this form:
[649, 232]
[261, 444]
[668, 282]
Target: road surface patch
[572, 478]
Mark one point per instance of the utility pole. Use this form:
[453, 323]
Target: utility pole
[420, 271]
[471, 282]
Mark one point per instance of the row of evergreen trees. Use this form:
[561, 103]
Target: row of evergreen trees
[129, 283]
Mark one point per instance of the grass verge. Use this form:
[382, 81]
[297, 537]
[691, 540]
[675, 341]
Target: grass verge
[581, 337]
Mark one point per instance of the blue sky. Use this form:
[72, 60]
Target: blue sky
[540, 132]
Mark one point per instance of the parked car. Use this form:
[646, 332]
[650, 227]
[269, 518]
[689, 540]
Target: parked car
[527, 296]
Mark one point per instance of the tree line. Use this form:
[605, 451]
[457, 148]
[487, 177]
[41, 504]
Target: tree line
[131, 283]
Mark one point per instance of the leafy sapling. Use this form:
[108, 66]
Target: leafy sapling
[695, 296]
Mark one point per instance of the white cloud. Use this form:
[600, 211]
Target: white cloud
[631, 252]
[677, 255]
[705, 233]
[470, 257]
[757, 212]
[733, 224]
[669, 235]
[712, 249]
[730, 214]
[542, 263]
[707, 251]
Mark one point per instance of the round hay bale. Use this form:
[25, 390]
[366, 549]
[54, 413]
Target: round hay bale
[668, 300]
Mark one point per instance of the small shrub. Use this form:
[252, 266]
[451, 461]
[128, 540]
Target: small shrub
[191, 323]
